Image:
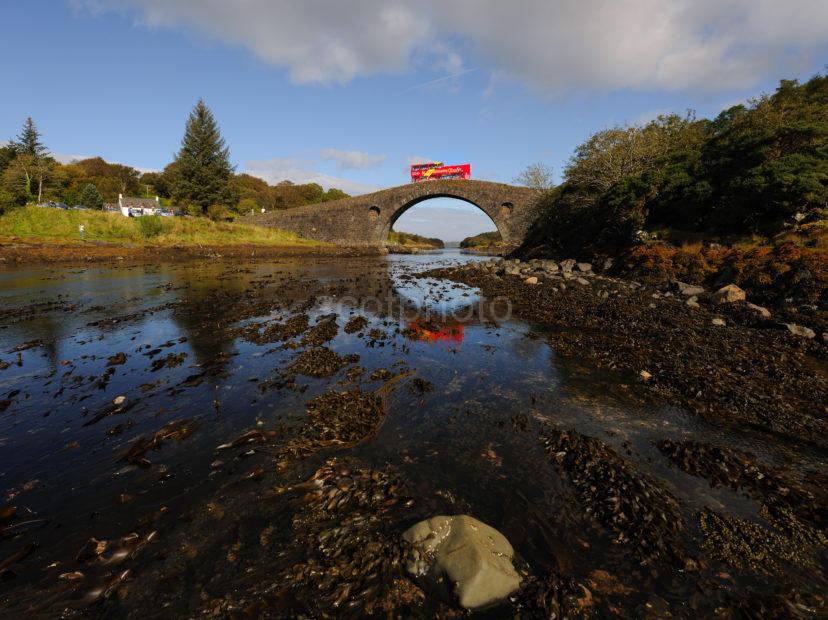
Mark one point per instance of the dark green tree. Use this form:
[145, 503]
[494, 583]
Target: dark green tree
[202, 170]
[28, 141]
[33, 158]
[91, 197]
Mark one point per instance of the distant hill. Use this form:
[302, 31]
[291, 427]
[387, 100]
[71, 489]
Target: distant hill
[487, 241]
[413, 242]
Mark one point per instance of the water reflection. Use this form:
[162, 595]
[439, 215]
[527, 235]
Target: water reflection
[462, 436]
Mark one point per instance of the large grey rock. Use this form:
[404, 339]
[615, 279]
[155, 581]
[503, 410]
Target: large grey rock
[728, 294]
[531, 280]
[567, 264]
[584, 267]
[475, 557]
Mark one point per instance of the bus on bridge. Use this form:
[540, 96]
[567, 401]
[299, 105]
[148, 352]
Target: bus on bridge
[437, 171]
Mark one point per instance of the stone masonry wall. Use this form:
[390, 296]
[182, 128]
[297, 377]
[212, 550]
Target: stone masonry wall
[366, 220]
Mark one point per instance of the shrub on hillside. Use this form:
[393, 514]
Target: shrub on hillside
[151, 226]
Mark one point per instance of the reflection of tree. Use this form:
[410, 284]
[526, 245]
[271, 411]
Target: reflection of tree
[207, 309]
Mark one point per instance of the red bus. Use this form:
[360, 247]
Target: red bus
[435, 170]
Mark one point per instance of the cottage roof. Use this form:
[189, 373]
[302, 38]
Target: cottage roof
[139, 203]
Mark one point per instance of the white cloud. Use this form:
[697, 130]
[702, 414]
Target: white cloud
[551, 45]
[301, 171]
[66, 158]
[352, 160]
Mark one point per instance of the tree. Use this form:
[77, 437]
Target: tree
[202, 170]
[91, 197]
[28, 141]
[537, 176]
[33, 158]
[23, 171]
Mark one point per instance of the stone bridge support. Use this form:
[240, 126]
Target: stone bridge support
[366, 220]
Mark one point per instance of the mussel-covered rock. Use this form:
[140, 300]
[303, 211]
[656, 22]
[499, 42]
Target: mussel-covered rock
[639, 511]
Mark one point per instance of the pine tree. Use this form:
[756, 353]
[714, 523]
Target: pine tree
[202, 166]
[91, 197]
[28, 141]
[32, 158]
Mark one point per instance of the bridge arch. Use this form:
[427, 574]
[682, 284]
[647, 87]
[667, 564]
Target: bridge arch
[366, 220]
[391, 219]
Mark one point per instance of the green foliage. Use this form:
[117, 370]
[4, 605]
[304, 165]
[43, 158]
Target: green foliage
[748, 171]
[220, 213]
[7, 201]
[91, 197]
[483, 240]
[202, 170]
[413, 240]
[28, 141]
[150, 226]
[284, 195]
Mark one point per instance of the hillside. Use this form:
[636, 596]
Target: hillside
[411, 241]
[740, 198]
[484, 242]
[61, 226]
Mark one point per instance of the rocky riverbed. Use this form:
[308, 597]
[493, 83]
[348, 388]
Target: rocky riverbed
[254, 439]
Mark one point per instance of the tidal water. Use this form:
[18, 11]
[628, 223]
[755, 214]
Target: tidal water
[464, 438]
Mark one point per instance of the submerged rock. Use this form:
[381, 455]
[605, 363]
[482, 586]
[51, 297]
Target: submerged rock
[476, 557]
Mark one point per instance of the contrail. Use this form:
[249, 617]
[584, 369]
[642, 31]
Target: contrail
[441, 79]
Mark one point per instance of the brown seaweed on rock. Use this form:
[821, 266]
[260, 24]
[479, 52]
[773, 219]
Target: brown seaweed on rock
[350, 552]
[340, 419]
[741, 471]
[641, 513]
[320, 362]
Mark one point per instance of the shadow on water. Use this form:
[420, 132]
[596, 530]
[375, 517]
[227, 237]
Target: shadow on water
[182, 346]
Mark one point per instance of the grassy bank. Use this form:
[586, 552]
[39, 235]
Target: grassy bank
[58, 226]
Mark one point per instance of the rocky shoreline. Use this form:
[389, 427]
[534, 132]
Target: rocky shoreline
[713, 352]
[16, 253]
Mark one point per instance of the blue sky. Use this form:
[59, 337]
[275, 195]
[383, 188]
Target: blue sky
[348, 94]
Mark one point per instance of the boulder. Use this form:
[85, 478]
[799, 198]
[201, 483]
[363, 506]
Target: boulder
[582, 281]
[719, 322]
[799, 330]
[584, 267]
[728, 294]
[476, 558]
[763, 312]
[567, 264]
[693, 302]
[531, 280]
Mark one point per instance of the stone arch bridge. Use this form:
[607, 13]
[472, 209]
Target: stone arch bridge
[366, 220]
